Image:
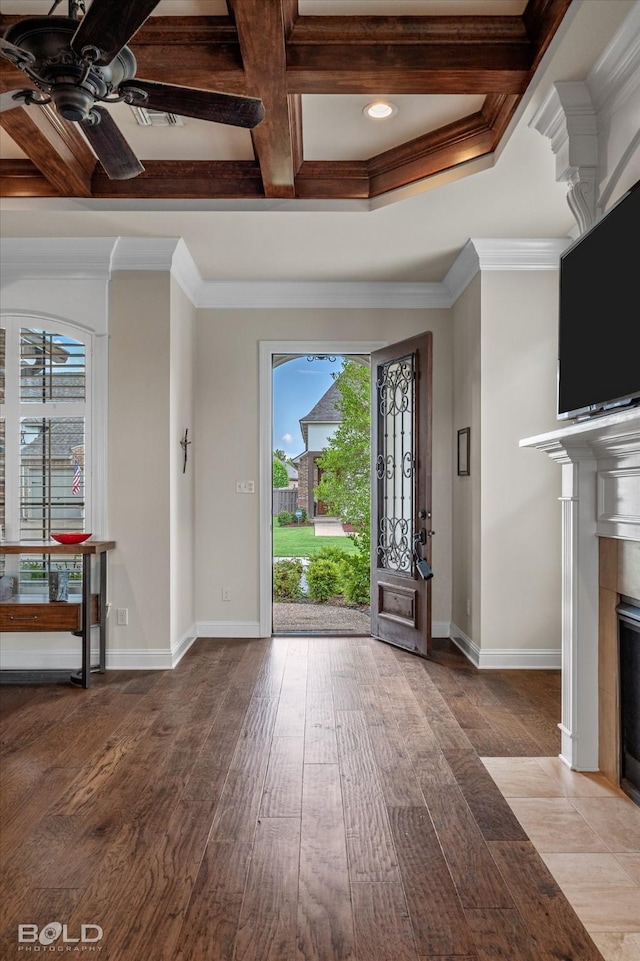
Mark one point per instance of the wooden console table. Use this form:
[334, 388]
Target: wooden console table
[37, 613]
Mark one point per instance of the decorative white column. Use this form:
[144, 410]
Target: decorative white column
[579, 725]
[600, 462]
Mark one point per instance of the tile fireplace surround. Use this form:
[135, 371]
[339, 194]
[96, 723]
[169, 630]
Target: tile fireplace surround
[600, 462]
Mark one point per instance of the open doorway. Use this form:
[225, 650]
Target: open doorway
[271, 356]
[401, 512]
[321, 493]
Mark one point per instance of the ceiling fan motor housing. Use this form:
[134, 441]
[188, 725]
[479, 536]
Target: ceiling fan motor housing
[61, 73]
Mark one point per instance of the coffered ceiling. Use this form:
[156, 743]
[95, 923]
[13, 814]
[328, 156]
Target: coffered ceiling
[455, 69]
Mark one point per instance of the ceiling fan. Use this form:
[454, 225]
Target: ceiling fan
[77, 61]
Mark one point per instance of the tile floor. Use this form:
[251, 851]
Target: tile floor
[588, 834]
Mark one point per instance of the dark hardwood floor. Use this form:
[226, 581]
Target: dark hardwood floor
[292, 799]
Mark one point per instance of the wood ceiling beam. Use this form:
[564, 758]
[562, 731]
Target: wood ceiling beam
[333, 180]
[457, 54]
[56, 148]
[367, 68]
[443, 149]
[288, 56]
[185, 180]
[421, 31]
[264, 57]
[21, 178]
[203, 52]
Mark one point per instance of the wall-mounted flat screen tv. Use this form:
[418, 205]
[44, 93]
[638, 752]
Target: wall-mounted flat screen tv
[599, 318]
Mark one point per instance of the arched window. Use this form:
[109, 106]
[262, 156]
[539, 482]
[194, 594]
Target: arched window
[45, 461]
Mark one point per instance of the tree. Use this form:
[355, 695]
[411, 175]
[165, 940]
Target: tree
[346, 485]
[279, 454]
[280, 476]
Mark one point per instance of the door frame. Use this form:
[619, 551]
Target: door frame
[267, 350]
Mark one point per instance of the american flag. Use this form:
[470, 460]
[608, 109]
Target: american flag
[77, 474]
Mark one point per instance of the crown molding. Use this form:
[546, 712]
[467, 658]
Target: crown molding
[283, 294]
[616, 75]
[56, 257]
[100, 257]
[480, 254]
[534, 254]
[144, 253]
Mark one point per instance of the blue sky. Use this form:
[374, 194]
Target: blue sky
[297, 386]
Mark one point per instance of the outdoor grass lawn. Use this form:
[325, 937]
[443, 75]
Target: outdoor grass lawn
[302, 542]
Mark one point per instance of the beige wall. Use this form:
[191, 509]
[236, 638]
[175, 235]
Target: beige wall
[139, 454]
[520, 518]
[466, 490]
[227, 416]
[181, 417]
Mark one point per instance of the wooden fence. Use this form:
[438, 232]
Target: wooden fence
[284, 499]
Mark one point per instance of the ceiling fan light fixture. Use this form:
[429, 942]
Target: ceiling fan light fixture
[380, 110]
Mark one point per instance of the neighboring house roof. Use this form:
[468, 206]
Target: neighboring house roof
[66, 433]
[324, 412]
[292, 472]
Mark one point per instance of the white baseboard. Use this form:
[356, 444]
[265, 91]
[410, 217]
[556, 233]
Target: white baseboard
[118, 659]
[228, 629]
[150, 659]
[41, 659]
[139, 659]
[441, 629]
[179, 649]
[516, 658]
[470, 650]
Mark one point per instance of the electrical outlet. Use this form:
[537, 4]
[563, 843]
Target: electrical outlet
[226, 593]
[122, 616]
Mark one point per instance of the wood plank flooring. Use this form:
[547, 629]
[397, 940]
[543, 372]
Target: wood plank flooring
[289, 799]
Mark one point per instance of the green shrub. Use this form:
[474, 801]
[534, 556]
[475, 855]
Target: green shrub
[356, 583]
[286, 580]
[284, 518]
[332, 553]
[323, 578]
[280, 477]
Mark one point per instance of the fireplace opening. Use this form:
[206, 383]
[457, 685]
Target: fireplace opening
[629, 645]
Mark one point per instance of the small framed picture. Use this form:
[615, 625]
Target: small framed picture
[464, 448]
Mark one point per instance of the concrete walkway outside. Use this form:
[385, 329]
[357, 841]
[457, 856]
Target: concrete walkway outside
[328, 527]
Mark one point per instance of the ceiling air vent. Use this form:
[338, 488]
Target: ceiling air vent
[156, 118]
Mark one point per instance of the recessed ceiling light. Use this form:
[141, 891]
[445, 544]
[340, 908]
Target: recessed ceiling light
[380, 110]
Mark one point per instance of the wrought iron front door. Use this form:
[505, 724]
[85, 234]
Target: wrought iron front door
[401, 377]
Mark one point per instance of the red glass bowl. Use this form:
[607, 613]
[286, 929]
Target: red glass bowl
[71, 538]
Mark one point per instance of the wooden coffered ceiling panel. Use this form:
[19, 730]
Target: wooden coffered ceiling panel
[456, 71]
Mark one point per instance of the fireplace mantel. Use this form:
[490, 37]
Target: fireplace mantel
[600, 460]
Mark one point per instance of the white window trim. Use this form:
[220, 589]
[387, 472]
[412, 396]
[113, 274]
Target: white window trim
[94, 411]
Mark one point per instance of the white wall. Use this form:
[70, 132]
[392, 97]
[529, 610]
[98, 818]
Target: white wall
[227, 414]
[139, 460]
[520, 515]
[466, 490]
[506, 515]
[182, 493]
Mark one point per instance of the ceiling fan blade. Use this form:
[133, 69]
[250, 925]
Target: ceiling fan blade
[110, 147]
[203, 104]
[15, 54]
[16, 98]
[108, 26]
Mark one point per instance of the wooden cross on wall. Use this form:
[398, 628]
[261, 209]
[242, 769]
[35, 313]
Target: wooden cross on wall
[184, 443]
